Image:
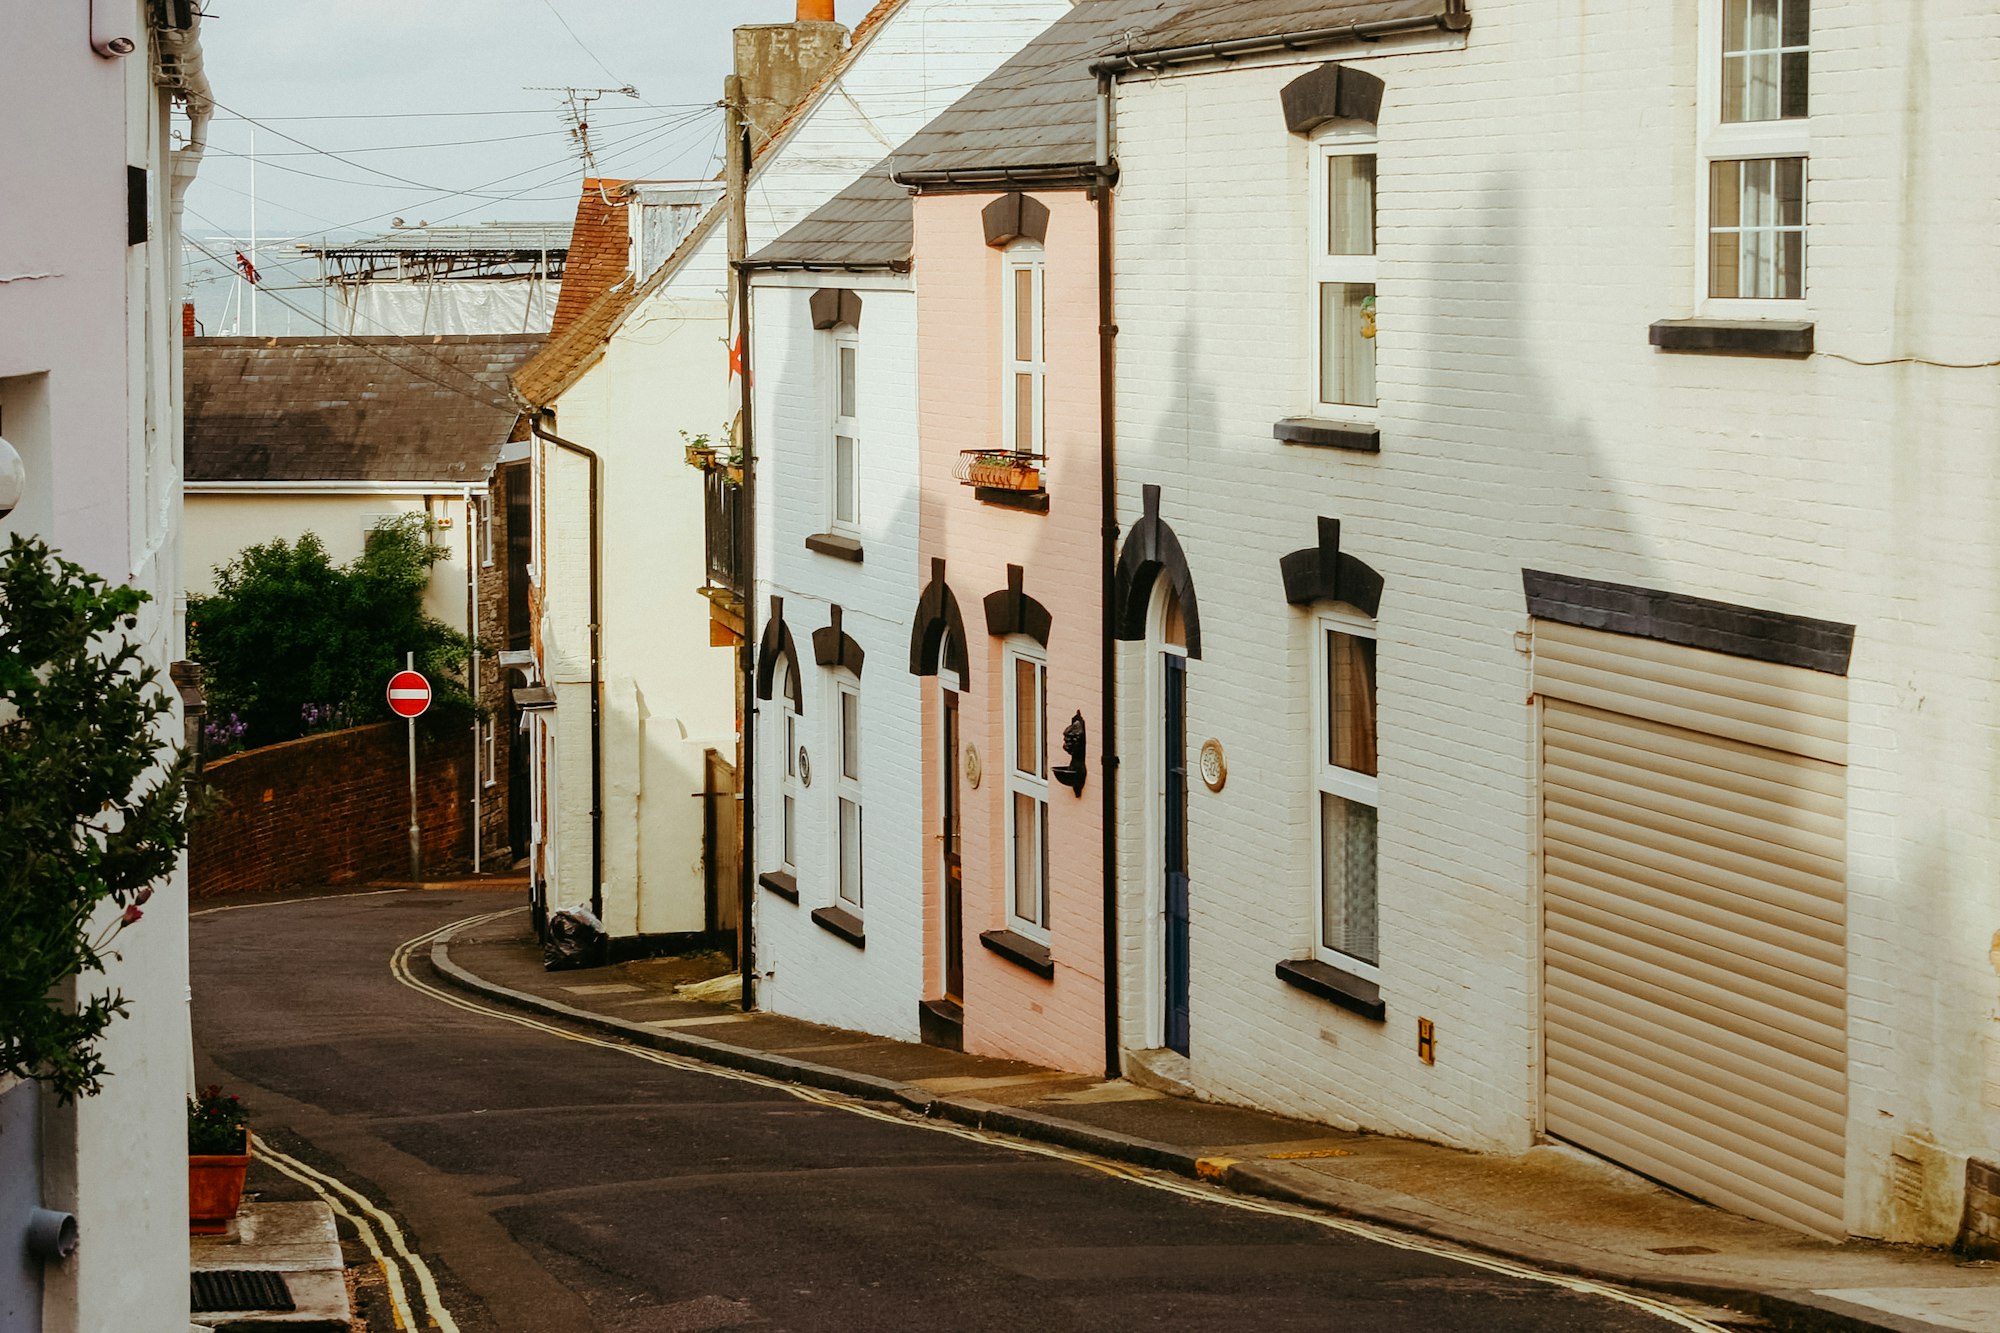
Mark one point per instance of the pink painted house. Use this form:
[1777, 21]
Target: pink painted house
[1011, 532]
[1010, 524]
[992, 215]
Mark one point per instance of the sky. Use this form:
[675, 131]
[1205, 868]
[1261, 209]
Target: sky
[423, 98]
[436, 111]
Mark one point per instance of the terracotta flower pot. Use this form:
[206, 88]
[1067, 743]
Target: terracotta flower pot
[215, 1189]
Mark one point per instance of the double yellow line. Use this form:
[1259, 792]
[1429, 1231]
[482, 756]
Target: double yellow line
[399, 967]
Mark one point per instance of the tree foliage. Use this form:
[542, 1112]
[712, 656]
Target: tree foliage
[291, 642]
[93, 807]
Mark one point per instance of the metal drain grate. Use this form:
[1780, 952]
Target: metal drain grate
[241, 1289]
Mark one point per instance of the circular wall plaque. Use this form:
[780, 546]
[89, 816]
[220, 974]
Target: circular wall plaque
[1214, 768]
[973, 771]
[805, 767]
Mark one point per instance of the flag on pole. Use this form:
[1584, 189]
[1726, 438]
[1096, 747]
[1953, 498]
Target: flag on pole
[246, 268]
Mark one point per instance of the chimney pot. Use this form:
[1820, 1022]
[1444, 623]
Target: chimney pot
[816, 11]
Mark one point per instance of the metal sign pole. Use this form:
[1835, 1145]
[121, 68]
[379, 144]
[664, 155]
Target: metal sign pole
[416, 832]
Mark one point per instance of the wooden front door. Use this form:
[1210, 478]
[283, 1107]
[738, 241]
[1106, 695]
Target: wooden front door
[1174, 825]
[954, 870]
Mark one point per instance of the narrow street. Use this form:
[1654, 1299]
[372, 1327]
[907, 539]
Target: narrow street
[553, 1185]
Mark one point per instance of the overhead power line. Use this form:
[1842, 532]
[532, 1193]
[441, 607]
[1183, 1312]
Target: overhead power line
[578, 40]
[484, 397]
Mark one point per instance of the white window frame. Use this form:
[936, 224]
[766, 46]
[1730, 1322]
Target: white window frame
[841, 425]
[1033, 784]
[1022, 256]
[484, 515]
[1329, 779]
[489, 728]
[847, 792]
[789, 732]
[1341, 139]
[1721, 142]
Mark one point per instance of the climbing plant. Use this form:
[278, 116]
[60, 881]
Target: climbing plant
[94, 807]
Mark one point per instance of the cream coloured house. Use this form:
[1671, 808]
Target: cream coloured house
[634, 803]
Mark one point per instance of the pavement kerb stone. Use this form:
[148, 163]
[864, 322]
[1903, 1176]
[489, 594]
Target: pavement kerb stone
[1790, 1312]
[680, 1043]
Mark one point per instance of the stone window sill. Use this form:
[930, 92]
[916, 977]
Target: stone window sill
[1021, 951]
[1334, 986]
[1734, 337]
[841, 922]
[1317, 434]
[1028, 502]
[835, 545]
[784, 885]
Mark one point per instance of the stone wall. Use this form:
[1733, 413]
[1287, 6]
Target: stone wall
[331, 809]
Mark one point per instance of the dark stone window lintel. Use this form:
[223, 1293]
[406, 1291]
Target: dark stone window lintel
[1310, 431]
[1331, 984]
[1734, 337]
[1018, 949]
[1028, 502]
[839, 921]
[835, 545]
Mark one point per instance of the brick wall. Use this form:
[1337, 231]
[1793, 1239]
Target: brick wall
[331, 809]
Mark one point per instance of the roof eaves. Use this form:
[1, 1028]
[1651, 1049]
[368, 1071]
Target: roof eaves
[1450, 17]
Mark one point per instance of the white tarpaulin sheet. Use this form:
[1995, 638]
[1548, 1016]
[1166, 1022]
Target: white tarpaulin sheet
[405, 309]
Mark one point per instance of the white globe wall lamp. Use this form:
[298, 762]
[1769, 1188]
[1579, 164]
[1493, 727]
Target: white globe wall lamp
[13, 478]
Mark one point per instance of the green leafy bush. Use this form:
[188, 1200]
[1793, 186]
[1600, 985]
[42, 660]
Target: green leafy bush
[291, 643]
[93, 807]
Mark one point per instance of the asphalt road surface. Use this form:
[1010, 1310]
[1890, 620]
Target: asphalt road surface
[545, 1185]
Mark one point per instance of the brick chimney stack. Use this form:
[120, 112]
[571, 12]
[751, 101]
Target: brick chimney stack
[777, 64]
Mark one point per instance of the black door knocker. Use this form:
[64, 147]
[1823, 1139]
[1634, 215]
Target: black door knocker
[1075, 743]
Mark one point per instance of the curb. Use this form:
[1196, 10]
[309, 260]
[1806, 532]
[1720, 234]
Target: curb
[1788, 1311]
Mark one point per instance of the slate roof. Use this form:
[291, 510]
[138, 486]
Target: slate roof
[1039, 109]
[867, 225]
[599, 240]
[1198, 21]
[564, 360]
[350, 409]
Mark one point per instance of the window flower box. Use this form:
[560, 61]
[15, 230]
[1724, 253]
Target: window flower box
[995, 470]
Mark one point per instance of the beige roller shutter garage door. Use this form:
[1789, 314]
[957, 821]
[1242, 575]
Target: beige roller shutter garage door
[1695, 919]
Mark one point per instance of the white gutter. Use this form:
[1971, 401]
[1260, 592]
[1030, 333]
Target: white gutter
[178, 68]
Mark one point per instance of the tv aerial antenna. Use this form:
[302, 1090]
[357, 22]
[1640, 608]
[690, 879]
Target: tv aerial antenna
[576, 114]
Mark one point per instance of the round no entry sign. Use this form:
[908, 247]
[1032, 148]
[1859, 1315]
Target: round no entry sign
[409, 694]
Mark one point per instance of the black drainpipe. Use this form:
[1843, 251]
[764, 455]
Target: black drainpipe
[1107, 462]
[596, 661]
[746, 778]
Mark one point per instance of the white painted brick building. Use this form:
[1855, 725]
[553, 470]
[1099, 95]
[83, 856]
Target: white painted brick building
[1537, 211]
[838, 949]
[643, 365]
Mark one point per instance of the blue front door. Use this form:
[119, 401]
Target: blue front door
[1174, 739]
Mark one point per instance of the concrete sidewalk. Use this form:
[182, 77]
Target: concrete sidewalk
[1554, 1207]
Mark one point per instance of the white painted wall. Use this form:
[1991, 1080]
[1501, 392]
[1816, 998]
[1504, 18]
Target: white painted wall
[89, 331]
[668, 695]
[803, 969]
[220, 525]
[1536, 215]
[664, 371]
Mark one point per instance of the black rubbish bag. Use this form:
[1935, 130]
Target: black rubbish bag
[574, 939]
